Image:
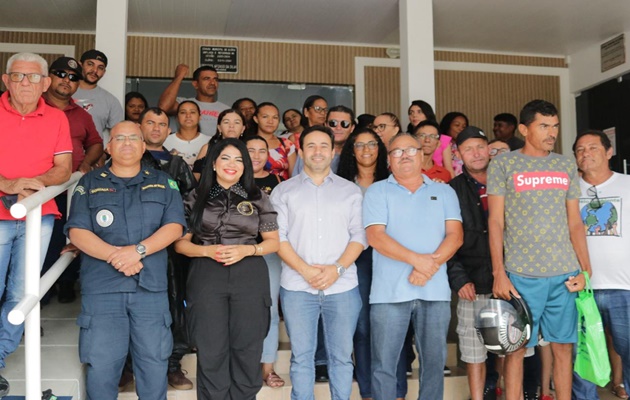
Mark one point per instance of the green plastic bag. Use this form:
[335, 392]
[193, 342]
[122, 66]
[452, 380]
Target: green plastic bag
[591, 360]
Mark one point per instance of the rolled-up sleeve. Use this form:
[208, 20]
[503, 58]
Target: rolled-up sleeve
[355, 226]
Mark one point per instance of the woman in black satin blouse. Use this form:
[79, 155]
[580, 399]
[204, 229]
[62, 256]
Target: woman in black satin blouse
[228, 296]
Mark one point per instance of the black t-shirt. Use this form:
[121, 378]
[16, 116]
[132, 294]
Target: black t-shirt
[268, 183]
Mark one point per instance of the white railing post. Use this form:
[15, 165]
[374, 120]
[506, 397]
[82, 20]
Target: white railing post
[32, 339]
[28, 309]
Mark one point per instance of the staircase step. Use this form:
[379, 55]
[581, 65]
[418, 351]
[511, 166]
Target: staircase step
[455, 388]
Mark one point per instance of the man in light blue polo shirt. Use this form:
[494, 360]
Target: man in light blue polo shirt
[414, 226]
[321, 235]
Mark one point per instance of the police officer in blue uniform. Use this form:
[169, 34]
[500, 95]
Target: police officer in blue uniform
[123, 217]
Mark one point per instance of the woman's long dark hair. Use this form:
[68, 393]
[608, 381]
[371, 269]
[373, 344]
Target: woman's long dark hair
[427, 110]
[209, 179]
[445, 124]
[348, 163]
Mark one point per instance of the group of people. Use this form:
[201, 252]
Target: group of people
[359, 229]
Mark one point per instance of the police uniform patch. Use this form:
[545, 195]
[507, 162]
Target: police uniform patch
[79, 189]
[173, 184]
[104, 218]
[245, 208]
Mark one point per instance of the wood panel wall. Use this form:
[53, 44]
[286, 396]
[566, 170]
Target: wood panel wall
[479, 95]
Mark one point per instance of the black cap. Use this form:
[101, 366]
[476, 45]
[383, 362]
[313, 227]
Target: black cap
[94, 55]
[470, 132]
[66, 64]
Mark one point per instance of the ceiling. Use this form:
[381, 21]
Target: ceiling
[544, 27]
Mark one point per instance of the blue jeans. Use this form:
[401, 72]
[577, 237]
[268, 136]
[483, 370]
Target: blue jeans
[12, 264]
[113, 324]
[389, 324]
[614, 307]
[339, 313]
[270, 345]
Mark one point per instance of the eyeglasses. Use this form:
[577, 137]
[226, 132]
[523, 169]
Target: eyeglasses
[410, 151]
[62, 74]
[381, 127]
[123, 138]
[19, 77]
[433, 136]
[495, 151]
[370, 145]
[596, 203]
[319, 109]
[344, 124]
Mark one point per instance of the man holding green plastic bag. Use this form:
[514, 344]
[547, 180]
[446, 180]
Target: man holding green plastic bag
[608, 240]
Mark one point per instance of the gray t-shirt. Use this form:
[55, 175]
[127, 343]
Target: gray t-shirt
[209, 114]
[105, 109]
[536, 234]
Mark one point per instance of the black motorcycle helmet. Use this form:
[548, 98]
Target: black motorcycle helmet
[503, 326]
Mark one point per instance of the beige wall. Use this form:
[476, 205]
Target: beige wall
[479, 95]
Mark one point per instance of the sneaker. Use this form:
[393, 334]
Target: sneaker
[178, 380]
[447, 371]
[4, 387]
[489, 394]
[321, 373]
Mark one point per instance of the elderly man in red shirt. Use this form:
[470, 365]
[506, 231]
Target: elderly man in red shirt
[35, 152]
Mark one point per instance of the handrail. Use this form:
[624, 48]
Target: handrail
[28, 309]
[22, 207]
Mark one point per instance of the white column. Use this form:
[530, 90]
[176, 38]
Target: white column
[111, 39]
[417, 73]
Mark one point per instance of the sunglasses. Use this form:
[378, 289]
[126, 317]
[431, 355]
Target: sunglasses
[62, 74]
[595, 203]
[344, 124]
[19, 77]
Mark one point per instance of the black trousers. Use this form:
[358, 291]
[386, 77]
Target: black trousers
[228, 311]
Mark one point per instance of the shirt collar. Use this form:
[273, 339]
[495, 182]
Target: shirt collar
[303, 177]
[41, 105]
[426, 179]
[236, 189]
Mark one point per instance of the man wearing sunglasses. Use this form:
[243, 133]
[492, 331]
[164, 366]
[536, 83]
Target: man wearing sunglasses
[409, 281]
[340, 119]
[104, 108]
[35, 152]
[604, 203]
[87, 147]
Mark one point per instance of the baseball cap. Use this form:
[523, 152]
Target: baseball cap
[470, 132]
[66, 64]
[94, 55]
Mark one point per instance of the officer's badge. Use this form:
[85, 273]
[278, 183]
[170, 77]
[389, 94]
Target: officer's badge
[245, 208]
[104, 218]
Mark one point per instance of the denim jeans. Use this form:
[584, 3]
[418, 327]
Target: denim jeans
[339, 313]
[270, 345]
[12, 265]
[614, 307]
[389, 324]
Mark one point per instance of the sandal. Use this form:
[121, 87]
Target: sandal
[274, 380]
[620, 391]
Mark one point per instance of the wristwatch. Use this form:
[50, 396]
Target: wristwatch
[142, 250]
[340, 269]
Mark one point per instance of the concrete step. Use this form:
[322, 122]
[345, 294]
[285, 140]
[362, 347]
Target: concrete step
[455, 388]
[283, 361]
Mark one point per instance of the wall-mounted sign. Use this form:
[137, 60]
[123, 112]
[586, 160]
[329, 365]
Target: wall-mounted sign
[223, 59]
[613, 53]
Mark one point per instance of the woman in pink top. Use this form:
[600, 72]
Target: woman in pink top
[452, 124]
